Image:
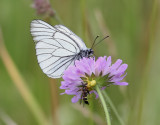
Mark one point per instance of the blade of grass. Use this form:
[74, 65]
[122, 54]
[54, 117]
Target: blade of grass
[21, 85]
[54, 101]
[7, 119]
[151, 30]
[84, 25]
[101, 23]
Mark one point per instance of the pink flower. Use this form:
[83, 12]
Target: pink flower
[43, 7]
[91, 72]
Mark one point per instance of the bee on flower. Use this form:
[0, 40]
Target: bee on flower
[81, 79]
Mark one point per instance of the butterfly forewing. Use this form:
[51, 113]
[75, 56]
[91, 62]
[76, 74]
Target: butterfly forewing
[77, 40]
[56, 47]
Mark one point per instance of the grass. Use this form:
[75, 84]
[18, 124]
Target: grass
[133, 27]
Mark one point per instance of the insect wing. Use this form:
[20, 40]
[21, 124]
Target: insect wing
[73, 36]
[56, 47]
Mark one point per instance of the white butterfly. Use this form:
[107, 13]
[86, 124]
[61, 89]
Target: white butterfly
[57, 47]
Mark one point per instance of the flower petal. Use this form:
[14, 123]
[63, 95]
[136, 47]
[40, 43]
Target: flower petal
[76, 98]
[116, 64]
[117, 78]
[107, 67]
[100, 65]
[121, 83]
[72, 91]
[120, 70]
[85, 65]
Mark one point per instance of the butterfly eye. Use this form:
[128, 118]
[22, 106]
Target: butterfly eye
[91, 52]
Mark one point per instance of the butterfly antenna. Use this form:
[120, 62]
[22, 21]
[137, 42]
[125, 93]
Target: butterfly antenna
[94, 41]
[100, 41]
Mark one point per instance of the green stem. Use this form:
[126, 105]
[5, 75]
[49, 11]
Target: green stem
[113, 107]
[104, 105]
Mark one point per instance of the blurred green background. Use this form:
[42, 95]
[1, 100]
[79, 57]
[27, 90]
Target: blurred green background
[133, 27]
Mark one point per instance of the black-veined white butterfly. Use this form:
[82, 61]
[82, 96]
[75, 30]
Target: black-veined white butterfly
[57, 47]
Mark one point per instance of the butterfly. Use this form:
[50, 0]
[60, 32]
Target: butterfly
[57, 47]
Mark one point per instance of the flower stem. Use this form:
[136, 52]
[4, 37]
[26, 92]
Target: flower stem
[104, 105]
[113, 107]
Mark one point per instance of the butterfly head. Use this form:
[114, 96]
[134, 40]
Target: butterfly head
[90, 52]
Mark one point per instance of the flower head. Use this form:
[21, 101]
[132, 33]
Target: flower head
[43, 7]
[91, 72]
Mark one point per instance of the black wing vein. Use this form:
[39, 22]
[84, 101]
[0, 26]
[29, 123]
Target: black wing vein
[69, 37]
[61, 66]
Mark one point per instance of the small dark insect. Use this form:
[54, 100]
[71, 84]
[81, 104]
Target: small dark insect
[85, 93]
